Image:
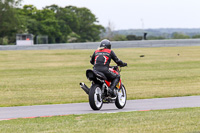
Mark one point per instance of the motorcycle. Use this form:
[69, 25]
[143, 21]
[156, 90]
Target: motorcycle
[98, 92]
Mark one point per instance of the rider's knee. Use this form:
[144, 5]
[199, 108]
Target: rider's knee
[118, 76]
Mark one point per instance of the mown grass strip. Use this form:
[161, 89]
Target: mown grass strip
[35, 77]
[159, 121]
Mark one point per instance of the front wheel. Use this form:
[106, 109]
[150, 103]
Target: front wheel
[95, 97]
[121, 98]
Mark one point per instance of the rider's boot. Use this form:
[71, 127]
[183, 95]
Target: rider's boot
[111, 91]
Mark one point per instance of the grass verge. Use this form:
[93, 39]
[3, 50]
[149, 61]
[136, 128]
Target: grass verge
[159, 121]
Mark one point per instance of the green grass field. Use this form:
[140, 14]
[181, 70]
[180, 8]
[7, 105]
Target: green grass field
[36, 77]
[185, 120]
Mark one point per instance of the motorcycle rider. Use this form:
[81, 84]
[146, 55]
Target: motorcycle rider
[101, 60]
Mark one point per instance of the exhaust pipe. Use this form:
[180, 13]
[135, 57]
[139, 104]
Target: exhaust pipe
[85, 88]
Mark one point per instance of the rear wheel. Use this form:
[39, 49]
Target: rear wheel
[95, 97]
[121, 98]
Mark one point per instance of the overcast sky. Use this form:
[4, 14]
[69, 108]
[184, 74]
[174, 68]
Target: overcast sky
[136, 14]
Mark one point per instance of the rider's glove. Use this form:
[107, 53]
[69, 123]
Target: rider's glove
[124, 64]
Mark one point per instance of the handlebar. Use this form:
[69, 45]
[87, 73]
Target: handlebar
[123, 65]
[118, 67]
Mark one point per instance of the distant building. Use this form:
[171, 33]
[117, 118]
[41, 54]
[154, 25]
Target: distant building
[24, 39]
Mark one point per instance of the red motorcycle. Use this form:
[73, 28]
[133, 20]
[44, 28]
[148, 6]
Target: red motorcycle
[98, 92]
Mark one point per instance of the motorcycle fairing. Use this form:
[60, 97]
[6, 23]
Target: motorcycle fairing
[108, 83]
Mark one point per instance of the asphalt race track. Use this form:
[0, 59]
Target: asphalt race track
[7, 113]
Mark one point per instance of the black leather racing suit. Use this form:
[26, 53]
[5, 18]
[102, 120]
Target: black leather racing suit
[101, 60]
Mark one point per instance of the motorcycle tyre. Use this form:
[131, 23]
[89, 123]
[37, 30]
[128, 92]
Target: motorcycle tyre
[117, 101]
[92, 96]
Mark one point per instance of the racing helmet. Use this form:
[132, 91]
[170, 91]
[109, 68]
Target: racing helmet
[105, 43]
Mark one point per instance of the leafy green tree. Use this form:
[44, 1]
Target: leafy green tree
[79, 23]
[29, 10]
[196, 36]
[29, 22]
[54, 8]
[44, 22]
[73, 37]
[134, 37]
[8, 19]
[131, 37]
[118, 37]
[48, 24]
[68, 24]
[155, 38]
[69, 17]
[87, 29]
[177, 35]
[65, 32]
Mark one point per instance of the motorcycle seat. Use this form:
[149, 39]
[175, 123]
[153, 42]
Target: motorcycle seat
[90, 74]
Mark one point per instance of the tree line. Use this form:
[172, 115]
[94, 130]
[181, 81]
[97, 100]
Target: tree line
[162, 33]
[60, 24]
[66, 24]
